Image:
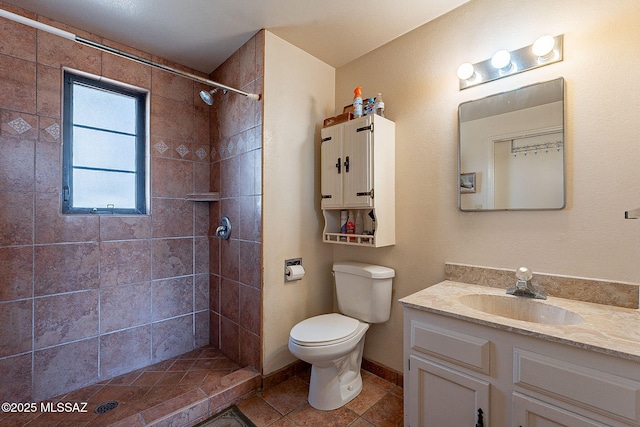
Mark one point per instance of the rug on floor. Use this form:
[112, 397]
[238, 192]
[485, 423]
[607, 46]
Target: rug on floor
[230, 417]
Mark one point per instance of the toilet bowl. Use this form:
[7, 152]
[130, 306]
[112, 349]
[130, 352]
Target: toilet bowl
[333, 343]
[335, 356]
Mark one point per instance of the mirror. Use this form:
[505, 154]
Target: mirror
[511, 150]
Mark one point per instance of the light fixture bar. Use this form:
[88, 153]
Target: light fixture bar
[523, 59]
[67, 35]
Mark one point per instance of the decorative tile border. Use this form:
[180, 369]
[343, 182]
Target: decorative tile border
[619, 294]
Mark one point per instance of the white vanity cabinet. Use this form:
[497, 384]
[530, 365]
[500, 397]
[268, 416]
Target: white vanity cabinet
[453, 367]
[358, 174]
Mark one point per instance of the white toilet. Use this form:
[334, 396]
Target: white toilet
[333, 343]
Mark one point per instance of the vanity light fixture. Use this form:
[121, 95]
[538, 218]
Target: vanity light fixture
[546, 50]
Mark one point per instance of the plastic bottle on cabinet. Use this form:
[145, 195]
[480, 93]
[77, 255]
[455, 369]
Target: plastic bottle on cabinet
[359, 223]
[351, 225]
[344, 217]
[379, 105]
[357, 102]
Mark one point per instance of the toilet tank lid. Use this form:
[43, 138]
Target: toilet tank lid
[363, 269]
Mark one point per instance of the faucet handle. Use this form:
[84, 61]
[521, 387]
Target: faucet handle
[524, 274]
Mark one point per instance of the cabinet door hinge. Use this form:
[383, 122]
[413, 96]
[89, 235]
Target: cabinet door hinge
[362, 129]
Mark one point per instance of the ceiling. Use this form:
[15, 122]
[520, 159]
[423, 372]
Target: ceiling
[201, 34]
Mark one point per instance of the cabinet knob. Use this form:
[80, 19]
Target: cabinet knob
[346, 164]
[339, 165]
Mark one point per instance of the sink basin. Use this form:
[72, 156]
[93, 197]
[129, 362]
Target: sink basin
[519, 308]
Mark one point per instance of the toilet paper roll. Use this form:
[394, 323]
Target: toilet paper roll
[294, 272]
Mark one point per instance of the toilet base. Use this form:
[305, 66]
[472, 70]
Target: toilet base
[336, 384]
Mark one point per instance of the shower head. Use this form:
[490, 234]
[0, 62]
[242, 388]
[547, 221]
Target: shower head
[207, 95]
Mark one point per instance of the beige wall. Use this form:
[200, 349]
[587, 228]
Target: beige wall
[298, 95]
[417, 75]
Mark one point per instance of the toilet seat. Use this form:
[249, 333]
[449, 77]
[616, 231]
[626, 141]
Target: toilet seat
[323, 330]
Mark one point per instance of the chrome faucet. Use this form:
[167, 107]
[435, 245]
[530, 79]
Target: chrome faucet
[523, 287]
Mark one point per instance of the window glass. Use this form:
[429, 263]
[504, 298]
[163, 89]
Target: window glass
[103, 109]
[104, 148]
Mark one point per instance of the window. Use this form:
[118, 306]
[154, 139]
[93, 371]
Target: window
[103, 149]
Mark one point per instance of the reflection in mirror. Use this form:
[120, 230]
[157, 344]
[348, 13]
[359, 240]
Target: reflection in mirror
[511, 150]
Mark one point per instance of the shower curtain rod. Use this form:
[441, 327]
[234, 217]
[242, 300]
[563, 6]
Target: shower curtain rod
[70, 36]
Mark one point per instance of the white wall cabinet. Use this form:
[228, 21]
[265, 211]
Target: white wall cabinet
[454, 367]
[358, 174]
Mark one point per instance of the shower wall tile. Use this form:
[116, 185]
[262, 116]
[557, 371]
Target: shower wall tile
[25, 41]
[16, 270]
[172, 86]
[125, 262]
[53, 227]
[176, 179]
[236, 139]
[172, 337]
[202, 328]
[251, 266]
[250, 309]
[18, 125]
[80, 286]
[66, 268]
[17, 84]
[16, 378]
[125, 306]
[16, 164]
[50, 130]
[171, 297]
[165, 212]
[57, 52]
[48, 167]
[64, 368]
[249, 348]
[214, 293]
[66, 317]
[125, 351]
[48, 91]
[201, 258]
[172, 257]
[201, 290]
[171, 119]
[230, 299]
[124, 70]
[230, 338]
[16, 218]
[125, 227]
[16, 333]
[230, 259]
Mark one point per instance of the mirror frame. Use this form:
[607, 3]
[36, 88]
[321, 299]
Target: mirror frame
[559, 80]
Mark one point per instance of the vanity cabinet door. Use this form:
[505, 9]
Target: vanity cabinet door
[530, 412]
[440, 396]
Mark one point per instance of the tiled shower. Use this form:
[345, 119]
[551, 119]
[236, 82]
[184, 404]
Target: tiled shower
[88, 297]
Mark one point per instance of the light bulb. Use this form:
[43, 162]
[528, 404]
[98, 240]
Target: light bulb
[543, 46]
[465, 71]
[501, 60]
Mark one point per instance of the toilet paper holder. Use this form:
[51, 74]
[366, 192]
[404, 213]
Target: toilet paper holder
[288, 263]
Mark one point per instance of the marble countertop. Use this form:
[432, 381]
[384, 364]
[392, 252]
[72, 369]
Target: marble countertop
[607, 329]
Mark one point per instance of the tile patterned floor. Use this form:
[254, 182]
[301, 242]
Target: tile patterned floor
[150, 395]
[380, 404]
[189, 388]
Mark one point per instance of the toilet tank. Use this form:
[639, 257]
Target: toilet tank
[363, 290]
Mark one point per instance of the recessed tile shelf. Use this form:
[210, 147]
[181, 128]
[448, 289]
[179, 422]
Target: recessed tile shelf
[204, 197]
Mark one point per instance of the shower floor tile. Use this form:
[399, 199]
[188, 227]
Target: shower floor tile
[145, 395]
